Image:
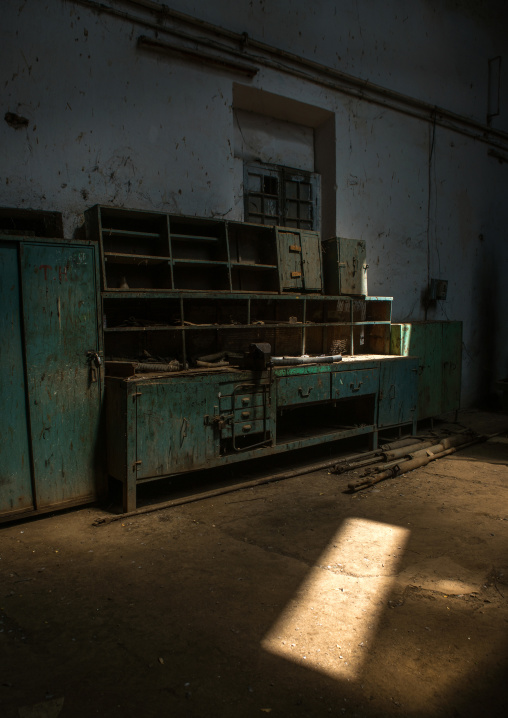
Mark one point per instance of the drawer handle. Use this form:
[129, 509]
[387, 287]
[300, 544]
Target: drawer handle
[303, 394]
[246, 427]
[357, 387]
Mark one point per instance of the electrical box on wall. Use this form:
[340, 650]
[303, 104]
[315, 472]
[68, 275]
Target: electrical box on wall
[438, 289]
[344, 266]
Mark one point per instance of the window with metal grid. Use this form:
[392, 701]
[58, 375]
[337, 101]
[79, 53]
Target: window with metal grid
[281, 196]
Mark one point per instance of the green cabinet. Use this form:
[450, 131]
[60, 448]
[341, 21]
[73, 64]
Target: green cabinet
[299, 260]
[452, 365]
[398, 391]
[55, 385]
[171, 433]
[161, 425]
[438, 346]
[345, 266]
[15, 475]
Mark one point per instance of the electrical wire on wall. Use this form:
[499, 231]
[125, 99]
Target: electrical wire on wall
[432, 144]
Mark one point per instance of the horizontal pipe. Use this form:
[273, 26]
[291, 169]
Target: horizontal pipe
[280, 361]
[147, 367]
[220, 362]
[218, 492]
[406, 450]
[409, 441]
[366, 458]
[187, 54]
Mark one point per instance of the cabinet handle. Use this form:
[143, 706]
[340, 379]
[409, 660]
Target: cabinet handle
[357, 387]
[294, 275]
[294, 248]
[303, 394]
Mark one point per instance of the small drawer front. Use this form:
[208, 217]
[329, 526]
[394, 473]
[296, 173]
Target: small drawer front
[245, 428]
[245, 401]
[354, 383]
[303, 389]
[248, 414]
[244, 398]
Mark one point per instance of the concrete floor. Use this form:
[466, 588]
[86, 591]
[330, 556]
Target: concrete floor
[290, 599]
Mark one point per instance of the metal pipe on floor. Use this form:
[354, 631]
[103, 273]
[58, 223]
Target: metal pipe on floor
[411, 464]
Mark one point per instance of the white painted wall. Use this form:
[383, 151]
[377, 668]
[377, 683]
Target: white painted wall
[111, 124]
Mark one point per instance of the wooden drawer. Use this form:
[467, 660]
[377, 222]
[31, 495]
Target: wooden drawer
[303, 389]
[355, 383]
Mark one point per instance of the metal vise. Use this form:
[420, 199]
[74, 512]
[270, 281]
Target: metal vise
[258, 357]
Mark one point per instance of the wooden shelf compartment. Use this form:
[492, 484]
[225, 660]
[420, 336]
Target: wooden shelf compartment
[193, 238]
[133, 232]
[131, 275]
[371, 339]
[203, 276]
[137, 259]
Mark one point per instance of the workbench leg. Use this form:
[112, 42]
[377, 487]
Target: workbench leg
[374, 439]
[129, 496]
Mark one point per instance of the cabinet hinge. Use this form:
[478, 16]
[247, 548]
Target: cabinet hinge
[135, 464]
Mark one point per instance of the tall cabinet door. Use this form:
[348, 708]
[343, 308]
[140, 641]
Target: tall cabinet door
[398, 391]
[452, 365]
[64, 389]
[171, 433]
[15, 475]
[311, 261]
[290, 259]
[353, 266]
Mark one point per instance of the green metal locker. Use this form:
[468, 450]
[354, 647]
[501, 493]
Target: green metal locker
[438, 348]
[344, 266]
[398, 391]
[452, 365]
[15, 477]
[55, 391]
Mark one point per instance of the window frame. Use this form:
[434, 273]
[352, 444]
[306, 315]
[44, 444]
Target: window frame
[283, 175]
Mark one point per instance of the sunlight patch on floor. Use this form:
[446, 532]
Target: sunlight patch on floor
[330, 622]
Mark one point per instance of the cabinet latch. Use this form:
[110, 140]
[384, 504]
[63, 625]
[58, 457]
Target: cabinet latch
[294, 275]
[94, 359]
[218, 420]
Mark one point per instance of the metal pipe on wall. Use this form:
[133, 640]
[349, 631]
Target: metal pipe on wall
[326, 76]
